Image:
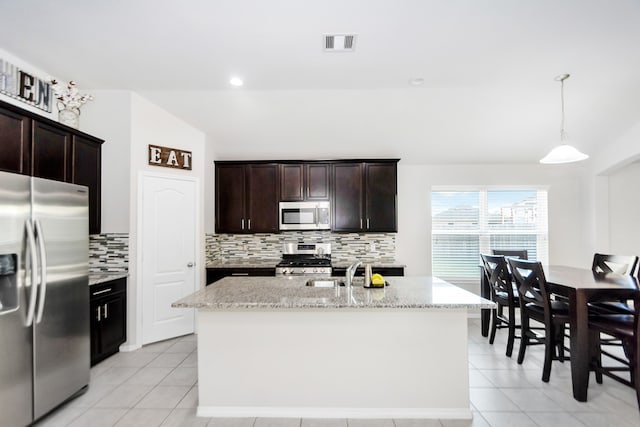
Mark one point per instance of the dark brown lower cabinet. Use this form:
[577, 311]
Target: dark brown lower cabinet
[108, 318]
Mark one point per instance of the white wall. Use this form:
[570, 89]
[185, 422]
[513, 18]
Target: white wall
[567, 198]
[129, 123]
[151, 124]
[109, 117]
[209, 189]
[618, 153]
[29, 68]
[612, 158]
[624, 211]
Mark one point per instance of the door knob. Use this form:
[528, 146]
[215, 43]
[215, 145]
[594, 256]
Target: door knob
[190, 264]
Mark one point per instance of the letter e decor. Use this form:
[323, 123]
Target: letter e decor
[169, 157]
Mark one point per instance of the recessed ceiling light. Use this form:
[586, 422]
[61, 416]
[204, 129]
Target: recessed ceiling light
[236, 81]
[416, 81]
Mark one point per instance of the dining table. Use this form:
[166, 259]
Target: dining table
[579, 286]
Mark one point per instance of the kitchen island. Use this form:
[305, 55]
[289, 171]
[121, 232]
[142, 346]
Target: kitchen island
[273, 347]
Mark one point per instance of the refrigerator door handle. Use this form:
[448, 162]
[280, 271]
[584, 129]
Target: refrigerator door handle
[43, 272]
[34, 272]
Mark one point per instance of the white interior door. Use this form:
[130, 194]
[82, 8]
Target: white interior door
[168, 244]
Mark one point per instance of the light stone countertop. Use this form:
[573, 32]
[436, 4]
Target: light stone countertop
[380, 264]
[291, 293]
[96, 278]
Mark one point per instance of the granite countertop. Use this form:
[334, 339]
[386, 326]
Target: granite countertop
[381, 264]
[96, 278]
[291, 292]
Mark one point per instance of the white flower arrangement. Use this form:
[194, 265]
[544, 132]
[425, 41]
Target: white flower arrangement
[69, 97]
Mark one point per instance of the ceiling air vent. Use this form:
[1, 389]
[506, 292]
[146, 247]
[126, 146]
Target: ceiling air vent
[339, 42]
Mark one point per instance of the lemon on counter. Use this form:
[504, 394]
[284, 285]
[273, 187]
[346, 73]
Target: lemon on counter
[377, 280]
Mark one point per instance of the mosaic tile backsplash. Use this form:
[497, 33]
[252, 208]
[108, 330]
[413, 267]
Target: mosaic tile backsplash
[109, 252]
[367, 247]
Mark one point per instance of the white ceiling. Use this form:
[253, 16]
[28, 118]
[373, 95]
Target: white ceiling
[488, 65]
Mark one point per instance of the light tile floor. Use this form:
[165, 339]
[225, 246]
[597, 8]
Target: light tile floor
[156, 386]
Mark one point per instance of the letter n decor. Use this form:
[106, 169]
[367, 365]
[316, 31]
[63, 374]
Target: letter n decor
[169, 157]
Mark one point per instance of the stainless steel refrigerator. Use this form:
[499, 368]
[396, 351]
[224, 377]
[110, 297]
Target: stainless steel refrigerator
[44, 296]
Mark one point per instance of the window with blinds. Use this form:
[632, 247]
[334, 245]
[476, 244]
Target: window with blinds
[466, 223]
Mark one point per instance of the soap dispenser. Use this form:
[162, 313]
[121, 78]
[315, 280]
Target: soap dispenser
[367, 276]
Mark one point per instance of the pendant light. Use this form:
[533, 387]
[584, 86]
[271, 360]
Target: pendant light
[563, 153]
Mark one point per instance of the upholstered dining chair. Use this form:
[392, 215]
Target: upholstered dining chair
[504, 295]
[536, 304]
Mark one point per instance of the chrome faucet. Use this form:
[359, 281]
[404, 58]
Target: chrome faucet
[351, 271]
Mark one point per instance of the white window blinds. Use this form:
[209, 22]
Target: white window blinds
[466, 223]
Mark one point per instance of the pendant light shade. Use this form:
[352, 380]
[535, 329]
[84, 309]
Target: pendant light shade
[563, 153]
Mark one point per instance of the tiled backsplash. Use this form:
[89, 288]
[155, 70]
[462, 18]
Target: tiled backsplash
[109, 252]
[380, 247]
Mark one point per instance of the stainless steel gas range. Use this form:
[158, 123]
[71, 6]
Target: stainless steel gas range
[305, 259]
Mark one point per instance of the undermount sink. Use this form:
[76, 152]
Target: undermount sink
[325, 283]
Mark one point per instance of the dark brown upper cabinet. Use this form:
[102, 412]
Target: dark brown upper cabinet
[365, 197]
[36, 146]
[86, 161]
[15, 141]
[347, 197]
[304, 181]
[51, 152]
[246, 197]
[381, 197]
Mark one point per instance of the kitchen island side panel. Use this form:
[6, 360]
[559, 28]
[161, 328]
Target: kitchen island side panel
[361, 363]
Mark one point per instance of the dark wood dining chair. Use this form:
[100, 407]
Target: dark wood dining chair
[504, 295]
[617, 264]
[511, 253]
[626, 328]
[536, 304]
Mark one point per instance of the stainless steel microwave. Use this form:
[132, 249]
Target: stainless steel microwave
[305, 216]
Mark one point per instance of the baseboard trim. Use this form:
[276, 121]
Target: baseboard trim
[129, 347]
[313, 412]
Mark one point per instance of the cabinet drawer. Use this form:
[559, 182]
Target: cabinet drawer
[108, 288]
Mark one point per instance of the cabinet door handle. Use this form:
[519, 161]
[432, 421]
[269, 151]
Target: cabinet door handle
[104, 291]
[99, 318]
[360, 222]
[189, 264]
[367, 223]
[249, 224]
[242, 222]
[239, 274]
[106, 313]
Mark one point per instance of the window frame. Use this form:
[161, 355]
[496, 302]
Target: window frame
[484, 231]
